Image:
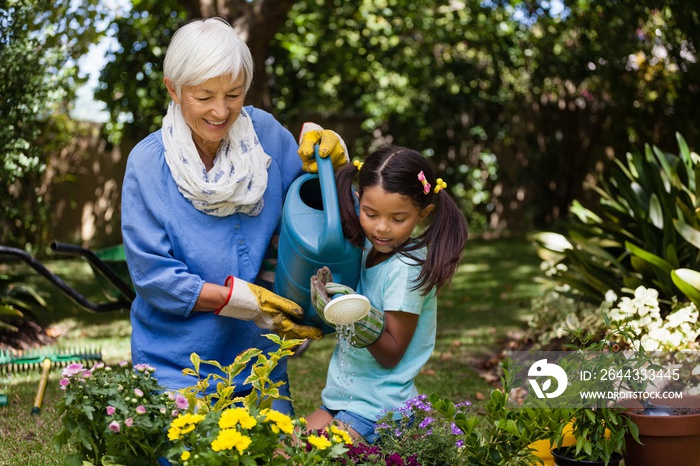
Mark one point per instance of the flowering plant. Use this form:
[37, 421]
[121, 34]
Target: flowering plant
[248, 436]
[114, 415]
[413, 435]
[432, 431]
[222, 429]
[641, 314]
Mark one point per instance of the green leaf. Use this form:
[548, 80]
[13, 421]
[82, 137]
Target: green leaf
[690, 234]
[656, 214]
[688, 281]
[649, 257]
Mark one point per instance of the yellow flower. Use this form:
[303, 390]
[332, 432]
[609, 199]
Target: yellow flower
[281, 421]
[183, 424]
[185, 455]
[319, 442]
[229, 439]
[340, 435]
[232, 417]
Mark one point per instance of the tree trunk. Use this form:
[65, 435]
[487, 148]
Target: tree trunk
[257, 22]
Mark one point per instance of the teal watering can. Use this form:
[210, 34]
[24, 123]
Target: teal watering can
[311, 236]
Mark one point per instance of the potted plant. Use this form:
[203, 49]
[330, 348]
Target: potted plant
[671, 439]
[668, 423]
[663, 342]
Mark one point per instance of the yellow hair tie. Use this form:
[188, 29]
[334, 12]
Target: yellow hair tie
[358, 165]
[439, 184]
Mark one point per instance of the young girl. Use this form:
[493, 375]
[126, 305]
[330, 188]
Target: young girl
[375, 371]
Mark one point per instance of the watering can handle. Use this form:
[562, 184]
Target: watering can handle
[332, 235]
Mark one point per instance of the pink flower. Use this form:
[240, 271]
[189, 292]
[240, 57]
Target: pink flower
[122, 363]
[128, 421]
[138, 392]
[144, 368]
[86, 374]
[181, 402]
[72, 369]
[141, 409]
[175, 413]
[64, 383]
[114, 426]
[97, 365]
[110, 410]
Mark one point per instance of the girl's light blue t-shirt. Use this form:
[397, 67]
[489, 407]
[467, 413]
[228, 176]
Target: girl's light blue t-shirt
[356, 382]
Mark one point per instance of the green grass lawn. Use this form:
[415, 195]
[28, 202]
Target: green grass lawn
[487, 302]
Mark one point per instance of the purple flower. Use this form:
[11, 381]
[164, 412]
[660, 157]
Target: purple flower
[426, 422]
[394, 460]
[72, 369]
[64, 383]
[114, 426]
[110, 410]
[141, 409]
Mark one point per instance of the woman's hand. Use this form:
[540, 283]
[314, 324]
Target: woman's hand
[266, 309]
[329, 145]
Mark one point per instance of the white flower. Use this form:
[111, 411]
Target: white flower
[646, 296]
[627, 307]
[649, 344]
[610, 296]
[617, 315]
[688, 314]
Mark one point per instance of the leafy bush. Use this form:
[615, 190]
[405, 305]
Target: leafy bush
[647, 232]
[40, 44]
[114, 416]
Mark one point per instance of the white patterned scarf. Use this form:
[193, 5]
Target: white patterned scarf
[238, 179]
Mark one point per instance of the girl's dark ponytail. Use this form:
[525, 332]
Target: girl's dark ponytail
[445, 238]
[346, 201]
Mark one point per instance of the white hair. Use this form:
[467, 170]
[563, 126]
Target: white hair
[207, 48]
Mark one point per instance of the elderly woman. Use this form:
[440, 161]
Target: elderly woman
[201, 200]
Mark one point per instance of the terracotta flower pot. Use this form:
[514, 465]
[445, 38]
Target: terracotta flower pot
[665, 439]
[561, 458]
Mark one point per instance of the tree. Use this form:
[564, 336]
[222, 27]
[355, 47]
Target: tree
[132, 81]
[516, 103]
[39, 46]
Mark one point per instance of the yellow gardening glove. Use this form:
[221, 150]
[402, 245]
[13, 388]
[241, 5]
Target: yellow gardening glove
[266, 309]
[329, 144]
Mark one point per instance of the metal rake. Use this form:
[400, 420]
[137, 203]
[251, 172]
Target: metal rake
[44, 358]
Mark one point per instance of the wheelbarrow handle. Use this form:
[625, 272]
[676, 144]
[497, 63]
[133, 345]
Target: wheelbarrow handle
[60, 284]
[71, 249]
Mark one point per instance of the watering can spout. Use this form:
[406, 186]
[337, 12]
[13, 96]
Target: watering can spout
[311, 237]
